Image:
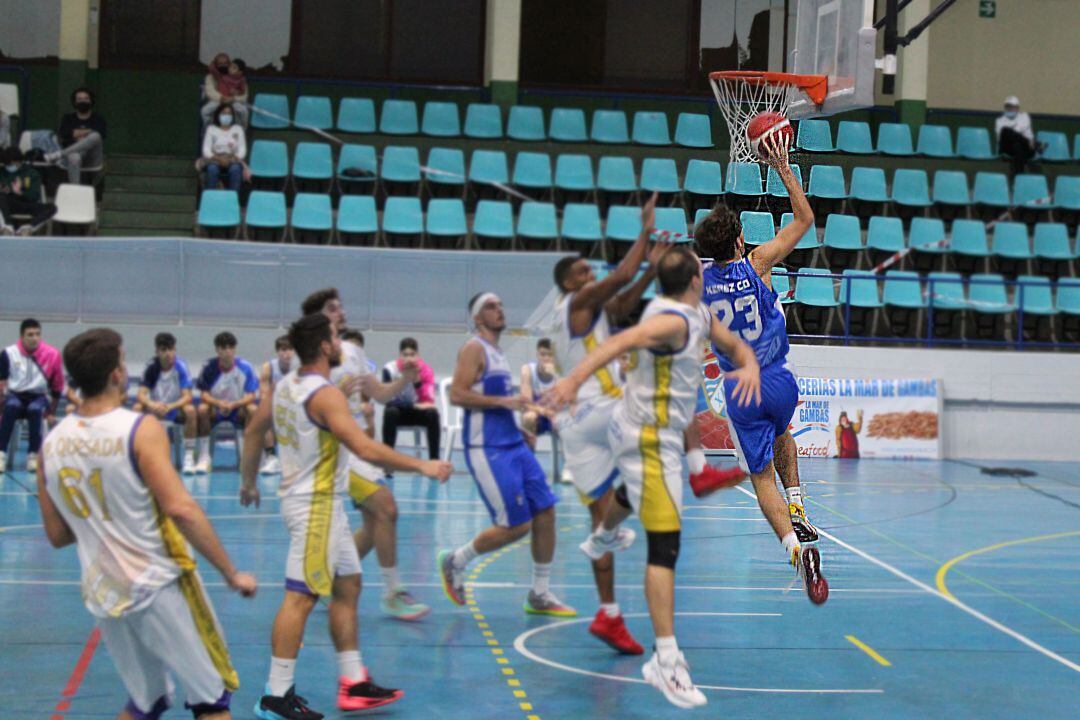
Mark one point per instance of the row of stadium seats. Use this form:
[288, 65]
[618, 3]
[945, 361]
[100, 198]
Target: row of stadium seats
[972, 143]
[482, 121]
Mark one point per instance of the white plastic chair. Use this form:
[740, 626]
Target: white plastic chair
[451, 416]
[75, 205]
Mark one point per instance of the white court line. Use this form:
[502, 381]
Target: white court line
[520, 640]
[951, 600]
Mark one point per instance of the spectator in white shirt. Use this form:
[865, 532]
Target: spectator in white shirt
[224, 149]
[1016, 139]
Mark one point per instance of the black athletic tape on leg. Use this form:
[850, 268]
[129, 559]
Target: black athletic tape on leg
[663, 548]
[621, 497]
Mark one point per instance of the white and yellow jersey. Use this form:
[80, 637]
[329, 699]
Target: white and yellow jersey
[127, 548]
[571, 349]
[354, 364]
[662, 387]
[312, 461]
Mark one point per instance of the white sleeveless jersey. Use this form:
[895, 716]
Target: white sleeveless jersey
[312, 461]
[539, 386]
[127, 548]
[571, 349]
[662, 386]
[354, 364]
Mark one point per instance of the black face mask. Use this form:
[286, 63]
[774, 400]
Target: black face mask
[83, 106]
[223, 69]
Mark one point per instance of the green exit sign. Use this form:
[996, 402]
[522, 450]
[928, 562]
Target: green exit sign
[987, 8]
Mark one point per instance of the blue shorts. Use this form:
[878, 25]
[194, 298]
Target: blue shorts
[543, 426]
[754, 428]
[173, 415]
[233, 417]
[511, 482]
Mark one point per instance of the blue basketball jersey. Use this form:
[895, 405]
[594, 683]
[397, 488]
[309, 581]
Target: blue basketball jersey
[741, 300]
[492, 427]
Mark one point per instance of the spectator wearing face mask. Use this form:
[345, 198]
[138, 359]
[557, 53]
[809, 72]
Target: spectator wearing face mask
[223, 151]
[225, 85]
[1016, 138]
[20, 194]
[82, 136]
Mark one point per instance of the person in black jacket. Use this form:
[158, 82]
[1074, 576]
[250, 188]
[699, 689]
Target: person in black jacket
[82, 136]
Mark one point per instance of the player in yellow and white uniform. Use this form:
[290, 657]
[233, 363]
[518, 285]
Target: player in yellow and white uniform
[107, 484]
[646, 435]
[316, 431]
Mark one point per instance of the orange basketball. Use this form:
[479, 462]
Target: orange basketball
[765, 125]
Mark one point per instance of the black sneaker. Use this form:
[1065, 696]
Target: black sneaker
[364, 695]
[804, 531]
[290, 706]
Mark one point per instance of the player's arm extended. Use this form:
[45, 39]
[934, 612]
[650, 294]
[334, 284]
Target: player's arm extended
[526, 381]
[152, 456]
[766, 256]
[748, 375]
[329, 408]
[384, 392]
[260, 421]
[56, 528]
[470, 364]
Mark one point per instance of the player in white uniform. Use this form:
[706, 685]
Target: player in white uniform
[270, 374]
[367, 483]
[312, 421]
[107, 484]
[229, 389]
[537, 377]
[646, 435]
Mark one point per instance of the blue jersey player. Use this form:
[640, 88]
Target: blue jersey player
[738, 291]
[511, 482]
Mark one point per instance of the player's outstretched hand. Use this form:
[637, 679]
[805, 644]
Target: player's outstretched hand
[561, 394]
[437, 470]
[648, 214]
[243, 583]
[517, 403]
[747, 385]
[776, 155]
[658, 250]
[249, 495]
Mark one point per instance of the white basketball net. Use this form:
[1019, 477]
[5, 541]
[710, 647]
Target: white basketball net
[741, 101]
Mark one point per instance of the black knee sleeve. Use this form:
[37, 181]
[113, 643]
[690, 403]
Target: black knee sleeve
[621, 497]
[663, 548]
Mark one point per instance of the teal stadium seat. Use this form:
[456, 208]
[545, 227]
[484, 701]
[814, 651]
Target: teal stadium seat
[854, 137]
[356, 115]
[219, 210]
[1035, 298]
[973, 143]
[357, 220]
[703, 179]
[1067, 193]
[1010, 249]
[815, 136]
[488, 166]
[623, 226]
[446, 169]
[616, 175]
[266, 216]
[842, 242]
[895, 139]
[693, 130]
[990, 193]
[651, 128]
[357, 157]
[990, 306]
[968, 246]
[868, 185]
[911, 189]
[1053, 255]
[757, 227]
[935, 141]
[859, 290]
[483, 121]
[313, 111]
[526, 123]
[827, 182]
[659, 175]
[609, 126]
[568, 125]
[884, 237]
[493, 225]
[775, 186]
[904, 301]
[744, 179]
[1076, 146]
[269, 163]
[926, 255]
[400, 165]
[270, 111]
[672, 220]
[532, 172]
[815, 301]
[445, 222]
[1068, 304]
[945, 296]
[312, 218]
[581, 228]
[537, 226]
[441, 119]
[313, 165]
[781, 285]
[951, 188]
[1031, 191]
[1057, 146]
[398, 118]
[403, 221]
[574, 173]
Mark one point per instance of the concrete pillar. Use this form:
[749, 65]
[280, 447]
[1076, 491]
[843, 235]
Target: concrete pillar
[74, 48]
[913, 64]
[503, 50]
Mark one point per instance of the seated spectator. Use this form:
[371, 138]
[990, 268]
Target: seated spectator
[82, 137]
[537, 377]
[1016, 138]
[228, 385]
[31, 371]
[270, 374]
[165, 392]
[225, 84]
[357, 338]
[223, 152]
[20, 194]
[415, 404]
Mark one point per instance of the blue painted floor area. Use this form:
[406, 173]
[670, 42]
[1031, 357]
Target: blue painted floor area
[1008, 648]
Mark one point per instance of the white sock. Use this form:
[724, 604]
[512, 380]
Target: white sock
[204, 448]
[541, 577]
[464, 555]
[794, 495]
[606, 535]
[696, 460]
[790, 543]
[667, 649]
[189, 446]
[281, 675]
[391, 581]
[610, 609]
[349, 665]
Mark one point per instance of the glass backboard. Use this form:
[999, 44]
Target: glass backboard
[835, 38]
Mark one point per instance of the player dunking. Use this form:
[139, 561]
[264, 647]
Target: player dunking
[645, 433]
[107, 483]
[738, 290]
[511, 482]
[312, 420]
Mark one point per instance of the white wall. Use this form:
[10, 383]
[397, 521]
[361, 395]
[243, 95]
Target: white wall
[255, 30]
[30, 28]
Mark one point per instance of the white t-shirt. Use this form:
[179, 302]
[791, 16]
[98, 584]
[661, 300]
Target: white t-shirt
[1021, 124]
[224, 141]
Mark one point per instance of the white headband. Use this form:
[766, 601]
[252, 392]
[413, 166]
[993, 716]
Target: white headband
[478, 303]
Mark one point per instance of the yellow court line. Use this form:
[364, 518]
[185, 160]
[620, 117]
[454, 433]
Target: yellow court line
[868, 650]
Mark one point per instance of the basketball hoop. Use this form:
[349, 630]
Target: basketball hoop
[743, 94]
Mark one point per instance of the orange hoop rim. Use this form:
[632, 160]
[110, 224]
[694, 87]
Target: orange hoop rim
[815, 86]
